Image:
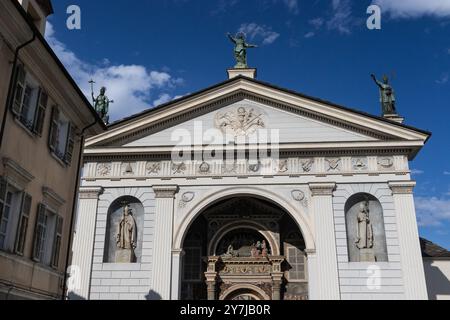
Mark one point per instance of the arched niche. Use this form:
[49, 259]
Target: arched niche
[359, 204]
[115, 214]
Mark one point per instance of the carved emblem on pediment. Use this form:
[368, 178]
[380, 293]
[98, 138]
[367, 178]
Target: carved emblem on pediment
[307, 165]
[240, 122]
[333, 164]
[283, 166]
[127, 169]
[153, 168]
[386, 163]
[360, 164]
[104, 169]
[254, 167]
[179, 168]
[204, 168]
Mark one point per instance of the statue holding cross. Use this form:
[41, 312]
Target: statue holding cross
[101, 103]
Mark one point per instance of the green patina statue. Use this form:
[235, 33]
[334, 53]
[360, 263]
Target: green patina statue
[101, 104]
[240, 49]
[387, 96]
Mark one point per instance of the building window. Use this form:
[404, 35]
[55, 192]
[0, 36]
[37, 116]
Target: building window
[296, 259]
[192, 264]
[14, 216]
[62, 136]
[30, 101]
[23, 224]
[47, 237]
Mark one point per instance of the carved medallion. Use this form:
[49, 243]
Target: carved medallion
[186, 198]
[254, 167]
[307, 165]
[104, 169]
[283, 166]
[300, 196]
[386, 162]
[240, 122]
[178, 168]
[359, 164]
[153, 168]
[204, 168]
[333, 164]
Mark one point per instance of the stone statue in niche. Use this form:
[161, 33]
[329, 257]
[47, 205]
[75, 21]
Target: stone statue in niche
[365, 239]
[126, 237]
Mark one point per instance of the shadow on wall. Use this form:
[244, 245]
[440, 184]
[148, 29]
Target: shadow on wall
[438, 284]
[154, 296]
[73, 296]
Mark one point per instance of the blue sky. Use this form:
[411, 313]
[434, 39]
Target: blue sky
[149, 52]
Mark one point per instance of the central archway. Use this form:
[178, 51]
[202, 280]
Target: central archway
[247, 241]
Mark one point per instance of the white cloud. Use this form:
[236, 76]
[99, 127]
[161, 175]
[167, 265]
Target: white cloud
[342, 19]
[317, 23]
[292, 5]
[447, 173]
[130, 86]
[443, 79]
[255, 31]
[309, 35]
[417, 172]
[415, 8]
[432, 212]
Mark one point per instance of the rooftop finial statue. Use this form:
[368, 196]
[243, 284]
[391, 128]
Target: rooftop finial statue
[387, 96]
[101, 103]
[240, 49]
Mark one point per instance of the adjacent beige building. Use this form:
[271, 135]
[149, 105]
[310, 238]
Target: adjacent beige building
[44, 119]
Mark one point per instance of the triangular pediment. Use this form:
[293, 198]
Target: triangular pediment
[242, 104]
[252, 120]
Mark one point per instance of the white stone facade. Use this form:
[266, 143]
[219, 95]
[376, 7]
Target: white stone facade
[312, 180]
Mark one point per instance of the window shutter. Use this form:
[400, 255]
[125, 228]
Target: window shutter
[3, 188]
[39, 233]
[40, 112]
[57, 242]
[23, 223]
[70, 144]
[54, 129]
[16, 105]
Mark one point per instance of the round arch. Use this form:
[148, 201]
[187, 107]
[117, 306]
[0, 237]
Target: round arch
[245, 287]
[243, 224]
[254, 192]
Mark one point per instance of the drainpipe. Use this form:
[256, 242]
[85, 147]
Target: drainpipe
[11, 88]
[74, 206]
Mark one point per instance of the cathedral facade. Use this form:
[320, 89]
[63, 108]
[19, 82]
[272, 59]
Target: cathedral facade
[247, 191]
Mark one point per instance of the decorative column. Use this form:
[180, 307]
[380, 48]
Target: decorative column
[83, 243]
[211, 278]
[277, 277]
[162, 251]
[408, 237]
[327, 276]
[177, 258]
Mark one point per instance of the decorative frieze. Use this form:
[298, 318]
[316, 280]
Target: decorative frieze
[245, 167]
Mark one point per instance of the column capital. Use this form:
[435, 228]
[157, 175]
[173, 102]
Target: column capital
[402, 187]
[165, 191]
[90, 192]
[322, 189]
